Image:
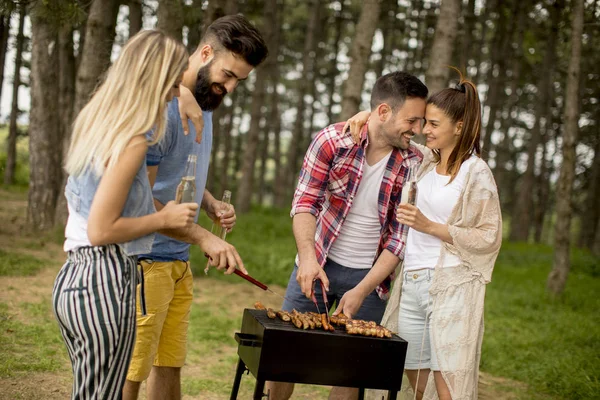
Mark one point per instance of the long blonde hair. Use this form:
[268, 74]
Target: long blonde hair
[131, 101]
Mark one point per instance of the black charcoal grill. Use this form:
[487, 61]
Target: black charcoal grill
[273, 350]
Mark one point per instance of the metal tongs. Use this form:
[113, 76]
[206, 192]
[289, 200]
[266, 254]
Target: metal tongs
[324, 294]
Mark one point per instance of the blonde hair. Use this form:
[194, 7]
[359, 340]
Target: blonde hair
[130, 101]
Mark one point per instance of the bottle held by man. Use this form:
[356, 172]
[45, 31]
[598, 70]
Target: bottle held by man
[216, 228]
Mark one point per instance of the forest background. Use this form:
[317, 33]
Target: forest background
[535, 64]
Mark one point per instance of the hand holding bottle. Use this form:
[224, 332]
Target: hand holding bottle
[176, 216]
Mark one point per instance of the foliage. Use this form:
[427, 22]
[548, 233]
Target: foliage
[18, 264]
[32, 346]
[548, 343]
[530, 337]
[22, 166]
[263, 239]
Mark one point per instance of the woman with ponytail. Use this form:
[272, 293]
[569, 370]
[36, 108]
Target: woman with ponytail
[454, 238]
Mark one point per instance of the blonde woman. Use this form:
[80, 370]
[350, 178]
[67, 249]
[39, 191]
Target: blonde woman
[111, 212]
[453, 241]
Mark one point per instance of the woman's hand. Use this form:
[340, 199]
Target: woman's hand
[411, 216]
[355, 124]
[178, 215]
[189, 109]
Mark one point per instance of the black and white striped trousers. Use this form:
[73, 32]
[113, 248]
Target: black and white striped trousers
[94, 303]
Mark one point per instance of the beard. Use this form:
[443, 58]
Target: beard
[204, 92]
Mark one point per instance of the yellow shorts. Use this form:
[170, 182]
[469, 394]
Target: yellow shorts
[161, 337]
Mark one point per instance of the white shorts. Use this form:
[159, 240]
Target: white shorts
[413, 321]
[415, 316]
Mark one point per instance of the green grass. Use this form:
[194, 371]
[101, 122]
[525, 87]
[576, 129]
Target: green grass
[22, 167]
[34, 346]
[552, 344]
[17, 264]
[265, 242]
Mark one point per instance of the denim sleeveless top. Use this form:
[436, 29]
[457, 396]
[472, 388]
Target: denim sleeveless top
[80, 192]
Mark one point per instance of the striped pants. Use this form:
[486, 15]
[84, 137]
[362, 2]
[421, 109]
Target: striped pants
[94, 303]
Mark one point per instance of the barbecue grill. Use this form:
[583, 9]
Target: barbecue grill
[273, 350]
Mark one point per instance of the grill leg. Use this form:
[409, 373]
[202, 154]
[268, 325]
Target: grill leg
[392, 394]
[361, 394]
[241, 367]
[258, 390]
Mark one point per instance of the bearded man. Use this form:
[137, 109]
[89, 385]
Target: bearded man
[231, 48]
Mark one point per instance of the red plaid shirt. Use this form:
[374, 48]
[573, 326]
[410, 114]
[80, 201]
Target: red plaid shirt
[329, 179]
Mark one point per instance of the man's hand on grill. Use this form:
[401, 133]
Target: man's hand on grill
[350, 303]
[307, 273]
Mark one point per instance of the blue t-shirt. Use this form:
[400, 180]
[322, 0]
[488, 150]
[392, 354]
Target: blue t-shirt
[171, 155]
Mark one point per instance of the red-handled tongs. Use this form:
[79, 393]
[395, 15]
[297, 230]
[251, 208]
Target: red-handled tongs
[324, 294]
[252, 280]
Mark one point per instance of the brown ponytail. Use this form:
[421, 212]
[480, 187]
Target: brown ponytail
[461, 104]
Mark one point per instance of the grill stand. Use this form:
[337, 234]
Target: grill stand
[260, 386]
[344, 360]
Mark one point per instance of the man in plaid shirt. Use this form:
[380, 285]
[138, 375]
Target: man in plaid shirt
[344, 209]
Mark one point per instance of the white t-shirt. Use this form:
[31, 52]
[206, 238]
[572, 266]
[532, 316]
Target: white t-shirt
[436, 200]
[357, 243]
[75, 231]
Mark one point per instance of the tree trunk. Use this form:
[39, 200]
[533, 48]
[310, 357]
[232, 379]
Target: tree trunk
[333, 71]
[135, 17]
[246, 187]
[481, 40]
[505, 152]
[170, 17]
[436, 77]
[4, 36]
[524, 204]
[414, 12]
[13, 130]
[591, 210]
[193, 20]
[279, 199]
[274, 119]
[541, 193]
[215, 10]
[500, 56]
[66, 93]
[262, 170]
[359, 55]
[95, 57]
[227, 144]
[467, 37]
[388, 32]
[596, 246]
[44, 135]
[562, 233]
[295, 145]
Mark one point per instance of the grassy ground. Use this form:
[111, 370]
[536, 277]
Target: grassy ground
[535, 347]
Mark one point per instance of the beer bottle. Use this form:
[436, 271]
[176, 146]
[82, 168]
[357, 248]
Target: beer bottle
[409, 188]
[216, 228]
[186, 190]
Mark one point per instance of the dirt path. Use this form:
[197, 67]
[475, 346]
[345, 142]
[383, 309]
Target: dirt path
[221, 298]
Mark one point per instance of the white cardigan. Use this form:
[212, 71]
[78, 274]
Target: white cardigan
[475, 225]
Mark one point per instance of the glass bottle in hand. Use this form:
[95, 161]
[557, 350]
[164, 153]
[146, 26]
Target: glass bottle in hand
[186, 191]
[409, 189]
[216, 228]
